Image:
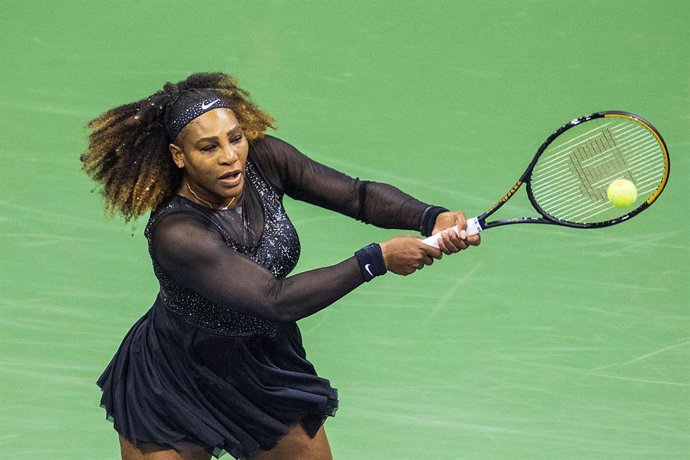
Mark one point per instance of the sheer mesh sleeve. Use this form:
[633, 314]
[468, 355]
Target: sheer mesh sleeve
[196, 257]
[307, 180]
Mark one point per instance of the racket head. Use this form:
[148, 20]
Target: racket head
[568, 178]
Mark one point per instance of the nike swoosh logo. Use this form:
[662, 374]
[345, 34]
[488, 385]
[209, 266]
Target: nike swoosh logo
[206, 106]
[366, 267]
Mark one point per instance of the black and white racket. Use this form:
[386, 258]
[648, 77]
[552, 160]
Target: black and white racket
[568, 178]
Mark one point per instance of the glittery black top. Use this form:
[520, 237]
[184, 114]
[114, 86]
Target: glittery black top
[225, 271]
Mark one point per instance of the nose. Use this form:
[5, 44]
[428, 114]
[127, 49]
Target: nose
[228, 154]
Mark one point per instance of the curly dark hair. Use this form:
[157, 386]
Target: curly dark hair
[128, 146]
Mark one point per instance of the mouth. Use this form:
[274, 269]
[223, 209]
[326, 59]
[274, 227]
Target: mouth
[231, 178]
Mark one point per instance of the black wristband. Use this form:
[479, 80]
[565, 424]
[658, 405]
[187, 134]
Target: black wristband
[371, 264]
[428, 219]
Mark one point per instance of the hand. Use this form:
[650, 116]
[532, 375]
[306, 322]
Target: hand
[405, 255]
[451, 242]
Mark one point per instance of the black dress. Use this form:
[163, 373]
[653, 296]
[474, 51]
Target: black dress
[217, 362]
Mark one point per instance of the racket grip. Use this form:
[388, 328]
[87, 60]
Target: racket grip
[473, 228]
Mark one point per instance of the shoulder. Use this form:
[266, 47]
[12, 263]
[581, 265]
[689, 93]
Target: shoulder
[274, 158]
[270, 148]
[183, 235]
[270, 142]
[177, 213]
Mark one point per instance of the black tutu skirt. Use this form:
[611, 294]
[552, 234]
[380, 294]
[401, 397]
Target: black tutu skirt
[176, 386]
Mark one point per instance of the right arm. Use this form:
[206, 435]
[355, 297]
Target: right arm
[197, 258]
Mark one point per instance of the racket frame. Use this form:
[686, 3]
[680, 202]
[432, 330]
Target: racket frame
[546, 218]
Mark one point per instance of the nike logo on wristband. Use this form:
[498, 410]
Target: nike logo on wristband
[206, 106]
[366, 267]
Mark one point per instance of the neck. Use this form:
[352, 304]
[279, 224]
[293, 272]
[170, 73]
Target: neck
[204, 202]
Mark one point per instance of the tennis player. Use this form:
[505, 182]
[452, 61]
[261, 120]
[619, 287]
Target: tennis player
[217, 364]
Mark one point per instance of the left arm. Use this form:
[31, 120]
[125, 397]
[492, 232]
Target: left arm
[371, 202]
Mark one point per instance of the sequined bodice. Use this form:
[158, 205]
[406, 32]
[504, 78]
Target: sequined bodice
[277, 250]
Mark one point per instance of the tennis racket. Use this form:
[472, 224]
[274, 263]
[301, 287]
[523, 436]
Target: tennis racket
[568, 178]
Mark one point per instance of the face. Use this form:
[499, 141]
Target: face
[213, 152]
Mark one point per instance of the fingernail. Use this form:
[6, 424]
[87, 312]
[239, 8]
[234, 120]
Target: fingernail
[463, 234]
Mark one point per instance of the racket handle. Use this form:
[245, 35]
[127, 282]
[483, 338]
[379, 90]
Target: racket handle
[473, 227]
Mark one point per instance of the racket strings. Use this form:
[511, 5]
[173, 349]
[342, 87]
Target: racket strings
[643, 163]
[570, 180]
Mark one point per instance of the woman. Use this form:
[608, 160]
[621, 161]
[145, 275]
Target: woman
[217, 364]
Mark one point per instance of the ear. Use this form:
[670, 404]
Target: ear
[177, 155]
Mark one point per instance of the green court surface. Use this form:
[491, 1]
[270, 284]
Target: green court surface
[543, 343]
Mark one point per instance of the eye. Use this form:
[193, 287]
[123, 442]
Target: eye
[236, 139]
[208, 148]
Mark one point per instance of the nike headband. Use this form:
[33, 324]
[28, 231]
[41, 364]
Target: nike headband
[189, 105]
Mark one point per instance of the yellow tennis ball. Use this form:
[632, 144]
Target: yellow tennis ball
[622, 193]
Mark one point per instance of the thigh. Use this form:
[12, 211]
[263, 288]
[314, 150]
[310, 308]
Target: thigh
[129, 452]
[297, 444]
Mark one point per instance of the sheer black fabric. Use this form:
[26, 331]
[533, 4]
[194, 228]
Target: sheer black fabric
[198, 258]
[301, 178]
[218, 361]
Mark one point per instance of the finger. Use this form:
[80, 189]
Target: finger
[474, 240]
[458, 241]
[442, 246]
[445, 245]
[461, 220]
[451, 241]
